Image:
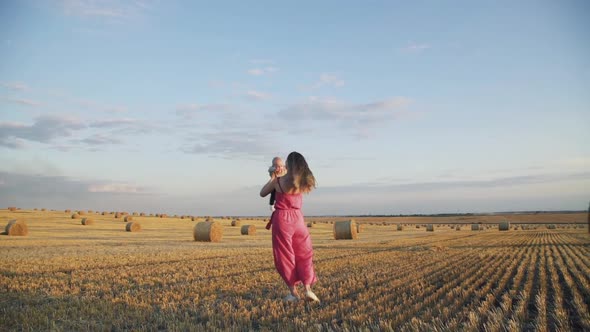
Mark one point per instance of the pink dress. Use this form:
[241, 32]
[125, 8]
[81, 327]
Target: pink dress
[291, 242]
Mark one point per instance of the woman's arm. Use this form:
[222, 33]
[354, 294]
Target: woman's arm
[268, 187]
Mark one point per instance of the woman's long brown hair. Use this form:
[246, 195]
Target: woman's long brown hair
[303, 179]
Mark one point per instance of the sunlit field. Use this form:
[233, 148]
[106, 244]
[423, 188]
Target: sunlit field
[67, 276]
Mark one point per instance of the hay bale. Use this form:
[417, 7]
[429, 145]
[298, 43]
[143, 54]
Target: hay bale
[309, 224]
[87, 221]
[359, 228]
[551, 226]
[457, 228]
[504, 225]
[128, 218]
[248, 230]
[133, 227]
[75, 216]
[193, 218]
[12, 208]
[234, 223]
[43, 209]
[429, 228]
[474, 227]
[400, 227]
[68, 211]
[81, 213]
[345, 230]
[16, 228]
[208, 231]
[117, 215]
[163, 215]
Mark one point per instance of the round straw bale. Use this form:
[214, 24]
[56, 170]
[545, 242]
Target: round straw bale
[163, 215]
[359, 228]
[504, 225]
[193, 218]
[457, 228]
[90, 211]
[551, 226]
[12, 208]
[87, 221]
[248, 230]
[345, 230]
[68, 211]
[142, 214]
[75, 216]
[16, 228]
[310, 225]
[128, 218]
[81, 213]
[208, 231]
[117, 215]
[474, 227]
[133, 227]
[400, 227]
[429, 228]
[43, 209]
[235, 222]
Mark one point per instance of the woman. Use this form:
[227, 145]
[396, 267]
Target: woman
[291, 243]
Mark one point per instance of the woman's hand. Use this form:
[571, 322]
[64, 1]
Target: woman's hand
[269, 186]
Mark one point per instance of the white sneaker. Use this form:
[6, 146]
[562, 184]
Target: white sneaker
[291, 298]
[310, 296]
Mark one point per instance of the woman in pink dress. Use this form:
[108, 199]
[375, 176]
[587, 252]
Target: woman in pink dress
[291, 242]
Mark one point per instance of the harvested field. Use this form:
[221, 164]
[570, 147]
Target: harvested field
[531, 279]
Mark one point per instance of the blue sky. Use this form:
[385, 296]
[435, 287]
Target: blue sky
[399, 107]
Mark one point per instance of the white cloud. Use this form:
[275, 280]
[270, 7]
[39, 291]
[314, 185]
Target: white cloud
[110, 123]
[20, 101]
[107, 9]
[45, 129]
[245, 143]
[188, 111]
[262, 71]
[262, 61]
[416, 47]
[257, 95]
[359, 120]
[100, 139]
[113, 188]
[331, 110]
[14, 85]
[328, 80]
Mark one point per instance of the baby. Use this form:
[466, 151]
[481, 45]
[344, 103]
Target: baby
[278, 168]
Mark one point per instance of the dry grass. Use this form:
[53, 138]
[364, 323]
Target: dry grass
[162, 279]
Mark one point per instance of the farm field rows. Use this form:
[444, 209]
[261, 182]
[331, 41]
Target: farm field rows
[65, 276]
